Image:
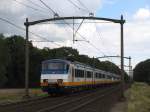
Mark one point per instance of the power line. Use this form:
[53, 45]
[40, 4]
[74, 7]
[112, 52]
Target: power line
[36, 4]
[100, 37]
[93, 47]
[55, 13]
[77, 6]
[12, 24]
[83, 5]
[7, 21]
[79, 27]
[58, 15]
[47, 7]
[69, 24]
[21, 3]
[74, 4]
[96, 48]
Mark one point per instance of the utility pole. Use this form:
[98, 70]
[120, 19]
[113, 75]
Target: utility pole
[122, 59]
[73, 32]
[27, 60]
[129, 66]
[130, 69]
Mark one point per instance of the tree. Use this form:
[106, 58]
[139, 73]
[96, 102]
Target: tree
[142, 71]
[4, 61]
[15, 69]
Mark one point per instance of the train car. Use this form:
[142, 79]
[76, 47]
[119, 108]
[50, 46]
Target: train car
[58, 76]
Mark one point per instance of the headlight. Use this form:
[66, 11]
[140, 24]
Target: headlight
[45, 80]
[60, 82]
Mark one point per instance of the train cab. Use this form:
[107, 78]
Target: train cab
[54, 72]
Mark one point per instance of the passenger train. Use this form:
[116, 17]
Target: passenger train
[59, 76]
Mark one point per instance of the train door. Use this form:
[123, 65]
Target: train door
[73, 74]
[85, 76]
[93, 77]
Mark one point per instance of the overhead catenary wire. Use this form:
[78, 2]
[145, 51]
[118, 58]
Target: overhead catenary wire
[78, 27]
[74, 4]
[35, 4]
[100, 37]
[78, 23]
[97, 48]
[48, 7]
[19, 27]
[33, 8]
[58, 15]
[38, 35]
[54, 12]
[69, 25]
[83, 5]
[77, 6]
[36, 10]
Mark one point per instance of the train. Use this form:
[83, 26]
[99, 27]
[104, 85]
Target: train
[63, 76]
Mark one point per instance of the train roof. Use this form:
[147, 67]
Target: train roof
[77, 64]
[67, 61]
[54, 60]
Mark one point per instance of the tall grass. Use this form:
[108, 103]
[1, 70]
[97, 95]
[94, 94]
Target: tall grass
[139, 98]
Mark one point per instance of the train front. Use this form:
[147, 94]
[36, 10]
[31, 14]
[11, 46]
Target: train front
[54, 73]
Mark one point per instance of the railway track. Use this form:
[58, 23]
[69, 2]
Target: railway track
[36, 103]
[75, 104]
[67, 103]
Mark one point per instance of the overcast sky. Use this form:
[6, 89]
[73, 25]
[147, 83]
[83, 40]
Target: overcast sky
[104, 37]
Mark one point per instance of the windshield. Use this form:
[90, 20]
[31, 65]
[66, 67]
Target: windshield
[55, 67]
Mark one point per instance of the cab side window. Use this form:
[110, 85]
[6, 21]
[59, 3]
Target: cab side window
[79, 73]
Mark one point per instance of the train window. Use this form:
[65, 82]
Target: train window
[103, 75]
[107, 77]
[67, 67]
[76, 73]
[89, 74]
[96, 75]
[79, 73]
[44, 66]
[100, 75]
[55, 66]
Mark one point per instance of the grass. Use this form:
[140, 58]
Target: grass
[138, 98]
[14, 95]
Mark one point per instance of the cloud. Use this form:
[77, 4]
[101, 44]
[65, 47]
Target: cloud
[142, 14]
[137, 35]
[110, 2]
[104, 36]
[17, 10]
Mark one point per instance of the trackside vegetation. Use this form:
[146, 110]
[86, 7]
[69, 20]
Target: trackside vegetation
[142, 72]
[138, 99]
[12, 61]
[14, 95]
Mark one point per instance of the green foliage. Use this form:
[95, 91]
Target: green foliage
[12, 58]
[142, 71]
[15, 72]
[4, 60]
[138, 98]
